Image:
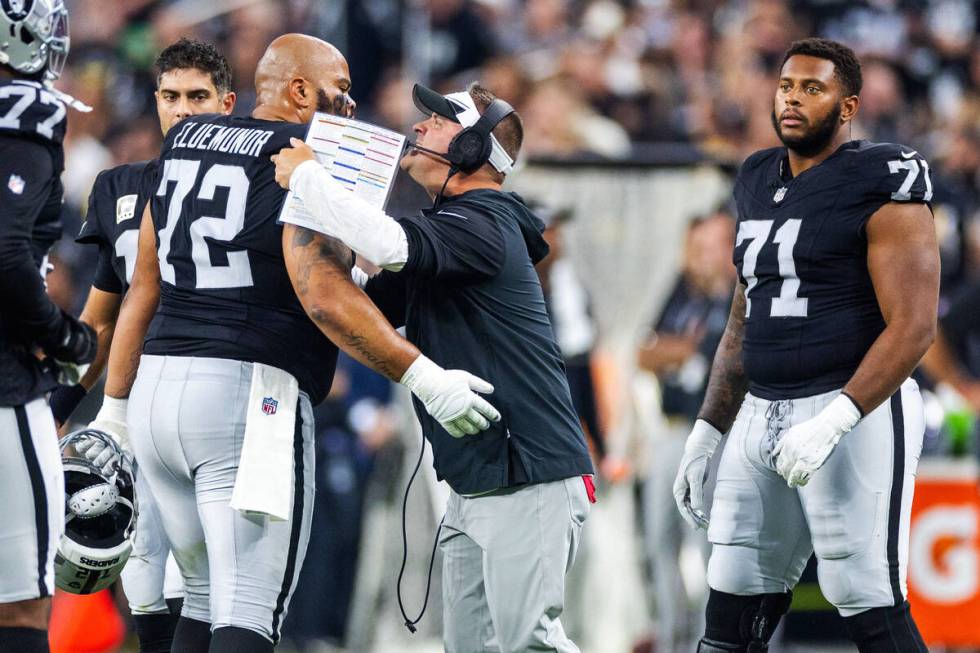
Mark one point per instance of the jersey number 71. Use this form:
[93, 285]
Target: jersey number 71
[788, 304]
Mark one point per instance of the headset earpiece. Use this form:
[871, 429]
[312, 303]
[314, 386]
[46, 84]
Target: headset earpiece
[470, 149]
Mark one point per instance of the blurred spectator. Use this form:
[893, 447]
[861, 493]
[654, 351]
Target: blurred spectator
[558, 121]
[540, 25]
[881, 103]
[571, 318]
[956, 206]
[352, 424]
[458, 39]
[954, 357]
[679, 351]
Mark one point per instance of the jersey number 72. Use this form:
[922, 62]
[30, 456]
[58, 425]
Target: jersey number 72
[238, 272]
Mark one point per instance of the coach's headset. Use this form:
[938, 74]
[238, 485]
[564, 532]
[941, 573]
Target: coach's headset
[475, 145]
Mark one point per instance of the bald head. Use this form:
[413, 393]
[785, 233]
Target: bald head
[300, 74]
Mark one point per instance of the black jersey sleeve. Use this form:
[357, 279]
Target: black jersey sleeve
[897, 174]
[388, 290]
[461, 244]
[91, 231]
[106, 278]
[27, 178]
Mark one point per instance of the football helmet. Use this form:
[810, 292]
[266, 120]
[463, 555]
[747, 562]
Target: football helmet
[34, 36]
[100, 517]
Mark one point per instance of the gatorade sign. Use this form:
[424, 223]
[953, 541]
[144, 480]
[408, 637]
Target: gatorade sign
[944, 553]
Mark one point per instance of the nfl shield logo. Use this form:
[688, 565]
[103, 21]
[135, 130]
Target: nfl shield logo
[16, 184]
[780, 194]
[269, 406]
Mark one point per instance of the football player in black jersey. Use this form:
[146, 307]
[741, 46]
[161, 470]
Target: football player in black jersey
[192, 78]
[33, 48]
[230, 310]
[839, 280]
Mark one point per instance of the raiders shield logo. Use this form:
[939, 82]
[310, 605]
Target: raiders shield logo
[17, 9]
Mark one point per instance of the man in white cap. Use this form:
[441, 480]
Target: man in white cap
[460, 277]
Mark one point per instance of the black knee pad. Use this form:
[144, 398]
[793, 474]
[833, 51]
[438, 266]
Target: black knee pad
[885, 630]
[175, 606]
[155, 632]
[742, 623]
[192, 636]
[231, 639]
[23, 640]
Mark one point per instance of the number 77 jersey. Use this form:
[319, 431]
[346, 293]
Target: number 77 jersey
[225, 291]
[801, 252]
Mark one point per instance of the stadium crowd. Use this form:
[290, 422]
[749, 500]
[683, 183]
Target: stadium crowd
[602, 78]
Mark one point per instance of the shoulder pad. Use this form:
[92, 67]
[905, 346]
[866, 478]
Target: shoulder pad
[759, 159]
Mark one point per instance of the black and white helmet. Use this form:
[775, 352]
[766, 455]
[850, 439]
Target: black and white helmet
[34, 36]
[100, 518]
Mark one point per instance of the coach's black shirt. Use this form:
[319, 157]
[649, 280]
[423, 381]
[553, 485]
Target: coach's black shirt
[470, 299]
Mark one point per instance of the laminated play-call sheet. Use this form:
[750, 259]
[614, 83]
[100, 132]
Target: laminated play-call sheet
[361, 156]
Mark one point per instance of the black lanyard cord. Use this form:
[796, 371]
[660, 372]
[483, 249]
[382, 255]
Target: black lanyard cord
[410, 623]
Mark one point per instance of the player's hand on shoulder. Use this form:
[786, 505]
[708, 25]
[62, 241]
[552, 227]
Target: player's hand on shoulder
[450, 397]
[289, 158]
[111, 420]
[689, 483]
[805, 447]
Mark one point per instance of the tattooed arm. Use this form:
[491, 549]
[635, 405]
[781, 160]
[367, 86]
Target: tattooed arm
[319, 268]
[138, 307]
[727, 384]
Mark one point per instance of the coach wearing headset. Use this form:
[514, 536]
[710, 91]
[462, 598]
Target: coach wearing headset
[460, 277]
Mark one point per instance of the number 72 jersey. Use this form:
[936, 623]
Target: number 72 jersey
[224, 291]
[801, 252]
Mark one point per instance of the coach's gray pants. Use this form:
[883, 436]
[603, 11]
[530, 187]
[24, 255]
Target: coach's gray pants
[186, 422]
[505, 557]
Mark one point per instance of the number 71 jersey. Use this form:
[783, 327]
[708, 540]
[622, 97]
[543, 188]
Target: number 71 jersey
[801, 252]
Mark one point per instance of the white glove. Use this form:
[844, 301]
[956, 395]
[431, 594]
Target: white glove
[689, 484]
[112, 420]
[805, 447]
[448, 396]
[359, 277]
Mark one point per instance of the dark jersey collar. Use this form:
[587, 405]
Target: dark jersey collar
[784, 173]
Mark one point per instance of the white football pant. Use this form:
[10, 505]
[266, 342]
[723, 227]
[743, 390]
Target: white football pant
[32, 484]
[187, 422]
[854, 512]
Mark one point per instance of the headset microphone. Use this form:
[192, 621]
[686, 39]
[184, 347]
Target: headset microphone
[442, 155]
[445, 156]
